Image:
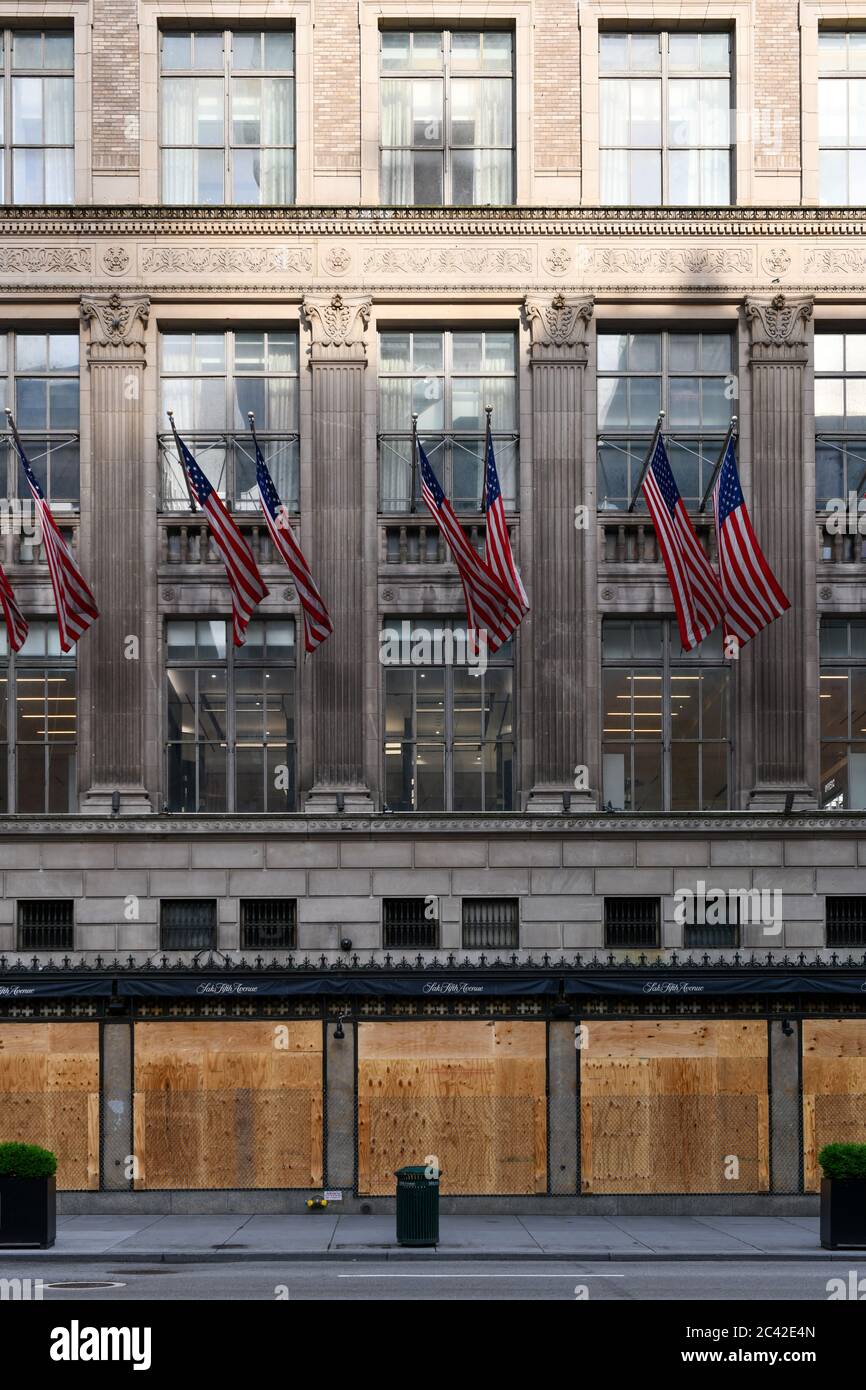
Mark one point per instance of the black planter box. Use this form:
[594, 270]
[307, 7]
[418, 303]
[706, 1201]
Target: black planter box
[28, 1211]
[843, 1213]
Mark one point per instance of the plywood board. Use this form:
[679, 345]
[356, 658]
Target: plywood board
[470, 1095]
[228, 1104]
[834, 1089]
[49, 1095]
[666, 1106]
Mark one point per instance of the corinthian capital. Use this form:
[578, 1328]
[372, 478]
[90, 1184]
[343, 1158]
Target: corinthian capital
[117, 324]
[339, 324]
[778, 322]
[558, 322]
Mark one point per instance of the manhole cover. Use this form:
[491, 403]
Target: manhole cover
[84, 1284]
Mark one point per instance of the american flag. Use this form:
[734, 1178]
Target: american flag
[75, 604]
[490, 608]
[245, 582]
[16, 623]
[753, 597]
[317, 622]
[693, 583]
[497, 549]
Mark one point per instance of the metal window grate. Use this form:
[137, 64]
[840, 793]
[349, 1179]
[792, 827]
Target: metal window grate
[47, 925]
[188, 924]
[631, 922]
[491, 923]
[712, 934]
[846, 921]
[407, 926]
[269, 924]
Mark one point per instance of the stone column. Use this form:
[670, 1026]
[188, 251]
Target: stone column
[785, 1107]
[562, 1071]
[340, 1106]
[116, 1102]
[779, 654]
[556, 582]
[111, 652]
[338, 358]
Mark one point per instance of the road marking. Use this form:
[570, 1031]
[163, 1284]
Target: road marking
[518, 1277]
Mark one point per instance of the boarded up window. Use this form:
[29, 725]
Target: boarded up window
[669, 1106]
[834, 1089]
[228, 1105]
[471, 1095]
[49, 1095]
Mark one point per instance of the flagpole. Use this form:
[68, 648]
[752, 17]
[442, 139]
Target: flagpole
[731, 434]
[189, 492]
[646, 463]
[11, 423]
[488, 410]
[414, 464]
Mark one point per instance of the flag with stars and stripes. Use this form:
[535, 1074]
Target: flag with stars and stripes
[752, 594]
[16, 623]
[490, 607]
[693, 583]
[317, 622]
[245, 582]
[75, 604]
[497, 549]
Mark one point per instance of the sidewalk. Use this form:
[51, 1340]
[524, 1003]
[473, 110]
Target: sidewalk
[321, 1235]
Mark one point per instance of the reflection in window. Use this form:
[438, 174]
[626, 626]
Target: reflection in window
[230, 718]
[843, 713]
[688, 375]
[39, 380]
[210, 381]
[37, 121]
[38, 724]
[449, 734]
[665, 719]
[227, 117]
[840, 416]
[842, 118]
[447, 379]
[446, 104]
[664, 119]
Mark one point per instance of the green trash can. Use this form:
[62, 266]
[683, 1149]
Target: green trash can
[417, 1206]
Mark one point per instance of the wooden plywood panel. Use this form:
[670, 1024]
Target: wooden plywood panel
[834, 1089]
[228, 1105]
[471, 1094]
[49, 1095]
[663, 1106]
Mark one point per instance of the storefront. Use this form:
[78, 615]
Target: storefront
[562, 1087]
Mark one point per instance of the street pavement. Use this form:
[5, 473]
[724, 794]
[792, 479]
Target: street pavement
[347, 1280]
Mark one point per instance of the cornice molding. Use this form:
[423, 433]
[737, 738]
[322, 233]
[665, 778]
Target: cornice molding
[371, 222]
[720, 825]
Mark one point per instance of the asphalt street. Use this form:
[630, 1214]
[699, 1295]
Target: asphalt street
[360, 1281]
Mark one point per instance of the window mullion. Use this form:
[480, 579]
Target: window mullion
[663, 108]
[228, 192]
[230, 727]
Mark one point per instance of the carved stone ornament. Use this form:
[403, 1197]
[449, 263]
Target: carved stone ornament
[338, 322]
[778, 322]
[560, 322]
[115, 322]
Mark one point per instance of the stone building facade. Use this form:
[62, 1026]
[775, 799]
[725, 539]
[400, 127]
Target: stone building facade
[586, 844]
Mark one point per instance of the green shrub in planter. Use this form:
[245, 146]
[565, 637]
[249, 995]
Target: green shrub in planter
[26, 1161]
[28, 1196]
[841, 1161]
[843, 1196]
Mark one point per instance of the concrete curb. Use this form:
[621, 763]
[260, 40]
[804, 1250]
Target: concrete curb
[440, 1255]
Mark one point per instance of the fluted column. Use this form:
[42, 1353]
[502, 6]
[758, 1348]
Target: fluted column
[780, 654]
[338, 358]
[110, 654]
[556, 583]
